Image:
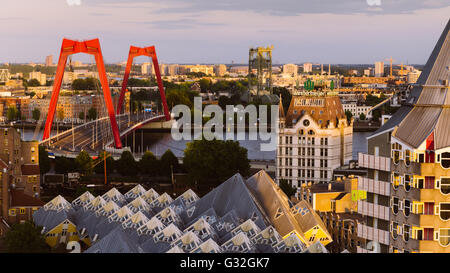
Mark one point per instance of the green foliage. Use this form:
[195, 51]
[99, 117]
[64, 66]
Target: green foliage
[86, 84]
[44, 161]
[205, 85]
[215, 161]
[84, 163]
[34, 82]
[12, 113]
[80, 189]
[362, 116]
[175, 97]
[349, 115]
[224, 101]
[133, 82]
[81, 115]
[64, 165]
[92, 113]
[127, 165]
[167, 162]
[25, 238]
[287, 188]
[149, 164]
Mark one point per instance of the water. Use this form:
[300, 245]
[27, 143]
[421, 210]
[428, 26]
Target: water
[158, 143]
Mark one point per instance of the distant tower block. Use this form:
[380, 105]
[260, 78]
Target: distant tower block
[260, 59]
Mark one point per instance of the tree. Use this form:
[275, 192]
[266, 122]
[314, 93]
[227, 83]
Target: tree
[127, 165]
[34, 82]
[11, 114]
[64, 165]
[36, 114]
[149, 164]
[84, 163]
[44, 160]
[80, 189]
[25, 238]
[81, 115]
[215, 161]
[349, 115]
[168, 163]
[362, 116]
[92, 113]
[224, 101]
[287, 188]
[205, 85]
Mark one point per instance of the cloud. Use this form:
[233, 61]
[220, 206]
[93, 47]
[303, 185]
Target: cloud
[290, 7]
[176, 24]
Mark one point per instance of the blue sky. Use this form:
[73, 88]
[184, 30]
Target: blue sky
[207, 31]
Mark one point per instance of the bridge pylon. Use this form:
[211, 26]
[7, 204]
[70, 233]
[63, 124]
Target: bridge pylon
[143, 51]
[91, 47]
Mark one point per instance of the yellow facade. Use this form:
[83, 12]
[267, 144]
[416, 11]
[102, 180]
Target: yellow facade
[64, 232]
[317, 234]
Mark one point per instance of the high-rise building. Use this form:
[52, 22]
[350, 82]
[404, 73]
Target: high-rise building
[420, 169]
[41, 77]
[413, 76]
[49, 60]
[290, 69]
[307, 67]
[172, 69]
[408, 161]
[220, 70]
[314, 138]
[379, 69]
[145, 68]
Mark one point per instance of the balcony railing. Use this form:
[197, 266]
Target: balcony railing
[370, 185]
[373, 234]
[373, 210]
[374, 162]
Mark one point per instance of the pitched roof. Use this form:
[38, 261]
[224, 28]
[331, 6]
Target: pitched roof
[431, 107]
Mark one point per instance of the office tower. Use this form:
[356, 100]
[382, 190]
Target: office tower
[379, 69]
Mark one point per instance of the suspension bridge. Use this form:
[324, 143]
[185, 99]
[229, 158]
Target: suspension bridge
[105, 132]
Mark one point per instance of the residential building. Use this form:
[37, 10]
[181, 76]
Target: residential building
[314, 138]
[379, 69]
[41, 77]
[413, 76]
[337, 204]
[49, 60]
[238, 216]
[307, 67]
[357, 109]
[290, 69]
[220, 70]
[420, 161]
[20, 178]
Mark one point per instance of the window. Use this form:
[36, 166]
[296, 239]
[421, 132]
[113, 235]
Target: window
[444, 236]
[396, 153]
[407, 182]
[408, 157]
[428, 208]
[428, 234]
[444, 211]
[394, 205]
[445, 160]
[396, 180]
[12, 212]
[407, 207]
[394, 230]
[306, 123]
[311, 132]
[445, 185]
[22, 210]
[406, 231]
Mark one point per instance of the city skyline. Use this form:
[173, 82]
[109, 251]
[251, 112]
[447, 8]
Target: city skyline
[204, 32]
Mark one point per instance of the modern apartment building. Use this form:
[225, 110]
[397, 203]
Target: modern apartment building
[314, 138]
[379, 69]
[290, 69]
[420, 169]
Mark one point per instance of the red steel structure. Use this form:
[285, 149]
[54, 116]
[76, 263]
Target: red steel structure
[143, 51]
[92, 47]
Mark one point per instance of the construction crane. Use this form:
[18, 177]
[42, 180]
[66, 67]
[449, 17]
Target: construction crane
[390, 71]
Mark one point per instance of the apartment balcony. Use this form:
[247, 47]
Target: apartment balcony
[374, 162]
[373, 234]
[373, 210]
[370, 185]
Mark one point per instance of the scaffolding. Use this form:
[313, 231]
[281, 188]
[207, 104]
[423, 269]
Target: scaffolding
[260, 59]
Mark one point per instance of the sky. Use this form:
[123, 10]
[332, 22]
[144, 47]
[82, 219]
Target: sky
[213, 31]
